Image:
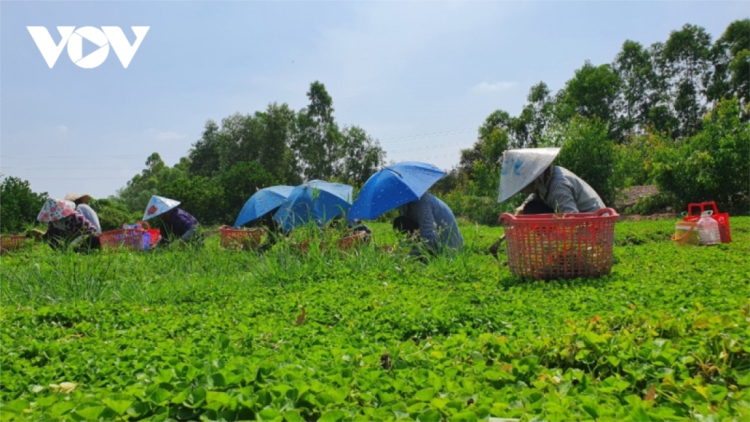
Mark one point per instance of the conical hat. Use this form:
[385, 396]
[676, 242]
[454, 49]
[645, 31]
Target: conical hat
[76, 196]
[55, 209]
[521, 167]
[159, 205]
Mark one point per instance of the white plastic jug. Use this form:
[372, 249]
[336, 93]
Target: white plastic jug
[708, 229]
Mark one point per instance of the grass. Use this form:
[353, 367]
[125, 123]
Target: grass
[213, 334]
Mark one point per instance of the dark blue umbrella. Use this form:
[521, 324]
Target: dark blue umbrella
[393, 186]
[317, 201]
[263, 202]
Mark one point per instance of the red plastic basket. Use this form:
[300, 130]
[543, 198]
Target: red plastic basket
[240, 238]
[551, 246]
[129, 237]
[9, 242]
[695, 211]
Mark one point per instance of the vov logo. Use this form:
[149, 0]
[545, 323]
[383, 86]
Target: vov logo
[73, 38]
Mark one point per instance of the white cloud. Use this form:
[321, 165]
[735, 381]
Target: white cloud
[168, 136]
[62, 129]
[495, 86]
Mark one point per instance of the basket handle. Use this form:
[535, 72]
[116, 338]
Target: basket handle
[506, 217]
[610, 211]
[702, 206]
[687, 233]
[144, 225]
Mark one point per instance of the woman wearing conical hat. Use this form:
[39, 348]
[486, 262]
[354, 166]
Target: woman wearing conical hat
[82, 205]
[66, 226]
[551, 189]
[176, 221]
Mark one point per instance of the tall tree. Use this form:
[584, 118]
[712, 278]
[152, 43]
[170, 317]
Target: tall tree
[730, 56]
[687, 60]
[362, 156]
[318, 143]
[642, 87]
[592, 92]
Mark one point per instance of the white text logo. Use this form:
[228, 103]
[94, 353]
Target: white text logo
[108, 35]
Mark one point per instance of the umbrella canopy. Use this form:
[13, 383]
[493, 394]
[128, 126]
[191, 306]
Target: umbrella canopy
[158, 205]
[263, 202]
[393, 186]
[316, 200]
[521, 167]
[56, 209]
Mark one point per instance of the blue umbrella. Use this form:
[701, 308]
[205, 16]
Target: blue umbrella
[393, 186]
[263, 202]
[315, 200]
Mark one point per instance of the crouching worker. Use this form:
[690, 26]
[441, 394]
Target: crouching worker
[551, 189]
[176, 223]
[82, 206]
[433, 221]
[66, 227]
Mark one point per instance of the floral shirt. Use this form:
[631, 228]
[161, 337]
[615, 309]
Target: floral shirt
[73, 224]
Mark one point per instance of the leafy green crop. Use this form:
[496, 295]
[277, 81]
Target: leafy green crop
[328, 336]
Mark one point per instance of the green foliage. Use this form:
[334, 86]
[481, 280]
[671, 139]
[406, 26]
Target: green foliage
[19, 205]
[710, 166]
[113, 213]
[652, 204]
[630, 162]
[590, 154]
[201, 196]
[207, 334]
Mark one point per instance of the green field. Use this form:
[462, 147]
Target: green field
[211, 334]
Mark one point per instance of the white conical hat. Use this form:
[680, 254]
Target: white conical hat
[159, 205]
[521, 167]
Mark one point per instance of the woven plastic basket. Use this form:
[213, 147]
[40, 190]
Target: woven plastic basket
[240, 238]
[126, 238]
[552, 246]
[9, 242]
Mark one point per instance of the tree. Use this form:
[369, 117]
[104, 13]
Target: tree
[19, 205]
[710, 166]
[592, 92]
[362, 156]
[686, 62]
[643, 88]
[318, 143]
[590, 154]
[138, 191]
[239, 184]
[730, 56]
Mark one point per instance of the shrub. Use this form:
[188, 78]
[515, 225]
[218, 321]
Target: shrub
[19, 205]
[713, 165]
[113, 213]
[591, 155]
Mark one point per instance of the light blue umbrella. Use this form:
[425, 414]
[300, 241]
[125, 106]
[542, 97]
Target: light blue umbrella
[393, 186]
[317, 201]
[263, 202]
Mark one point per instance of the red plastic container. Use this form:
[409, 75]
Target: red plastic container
[240, 238]
[695, 210]
[551, 246]
[9, 242]
[128, 238]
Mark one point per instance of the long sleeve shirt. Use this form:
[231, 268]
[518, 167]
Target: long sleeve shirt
[567, 193]
[90, 215]
[75, 224]
[437, 224]
[179, 223]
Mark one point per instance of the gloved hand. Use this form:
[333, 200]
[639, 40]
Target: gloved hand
[76, 242]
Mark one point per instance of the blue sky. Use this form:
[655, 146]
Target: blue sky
[419, 76]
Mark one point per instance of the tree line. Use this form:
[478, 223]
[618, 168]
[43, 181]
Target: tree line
[675, 114]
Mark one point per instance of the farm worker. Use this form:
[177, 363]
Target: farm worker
[433, 221]
[551, 189]
[176, 222]
[82, 206]
[66, 225]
